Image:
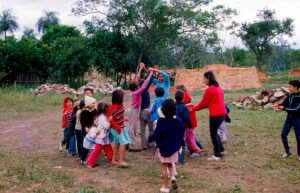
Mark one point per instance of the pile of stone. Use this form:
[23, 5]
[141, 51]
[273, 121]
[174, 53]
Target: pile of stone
[264, 99]
[99, 87]
[59, 88]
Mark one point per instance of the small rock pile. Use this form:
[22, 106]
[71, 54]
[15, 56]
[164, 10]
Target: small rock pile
[264, 99]
[59, 88]
[99, 87]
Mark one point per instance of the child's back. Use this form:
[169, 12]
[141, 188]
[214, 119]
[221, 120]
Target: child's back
[156, 103]
[168, 135]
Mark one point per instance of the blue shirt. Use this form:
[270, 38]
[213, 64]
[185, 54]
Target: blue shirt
[165, 84]
[168, 135]
[156, 104]
[183, 112]
[146, 96]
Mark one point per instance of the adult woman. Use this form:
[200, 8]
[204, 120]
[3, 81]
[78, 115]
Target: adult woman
[213, 99]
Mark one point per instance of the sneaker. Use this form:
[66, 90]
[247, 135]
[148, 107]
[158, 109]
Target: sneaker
[299, 158]
[223, 153]
[165, 190]
[60, 147]
[213, 158]
[199, 149]
[174, 183]
[286, 155]
[194, 155]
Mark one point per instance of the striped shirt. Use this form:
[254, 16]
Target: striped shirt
[117, 113]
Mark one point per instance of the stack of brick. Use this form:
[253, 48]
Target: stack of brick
[228, 78]
[294, 73]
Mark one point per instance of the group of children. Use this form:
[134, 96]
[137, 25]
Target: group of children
[171, 125]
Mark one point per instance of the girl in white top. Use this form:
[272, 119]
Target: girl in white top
[100, 134]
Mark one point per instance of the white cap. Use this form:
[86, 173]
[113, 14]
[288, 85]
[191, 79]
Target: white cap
[88, 100]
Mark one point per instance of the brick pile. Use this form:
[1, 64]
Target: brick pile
[229, 78]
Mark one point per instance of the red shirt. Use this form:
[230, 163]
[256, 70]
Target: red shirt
[213, 99]
[192, 115]
[117, 113]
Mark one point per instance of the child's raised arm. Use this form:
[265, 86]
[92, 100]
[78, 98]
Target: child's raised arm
[138, 76]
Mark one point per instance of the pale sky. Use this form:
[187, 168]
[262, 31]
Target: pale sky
[28, 12]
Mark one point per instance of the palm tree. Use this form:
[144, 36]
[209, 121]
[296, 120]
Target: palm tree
[8, 22]
[29, 34]
[50, 18]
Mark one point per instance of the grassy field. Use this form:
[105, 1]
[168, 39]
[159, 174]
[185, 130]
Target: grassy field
[30, 161]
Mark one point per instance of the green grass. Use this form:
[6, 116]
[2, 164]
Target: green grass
[277, 73]
[284, 79]
[253, 163]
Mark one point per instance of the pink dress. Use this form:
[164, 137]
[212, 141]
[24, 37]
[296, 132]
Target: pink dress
[171, 159]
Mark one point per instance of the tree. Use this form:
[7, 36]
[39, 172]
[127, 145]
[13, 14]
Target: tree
[59, 31]
[8, 23]
[49, 19]
[260, 35]
[71, 59]
[29, 34]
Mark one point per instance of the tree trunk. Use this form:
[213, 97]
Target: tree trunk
[139, 61]
[125, 78]
[4, 35]
[259, 64]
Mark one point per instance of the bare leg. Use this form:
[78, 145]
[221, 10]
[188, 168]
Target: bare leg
[115, 153]
[171, 169]
[164, 167]
[122, 152]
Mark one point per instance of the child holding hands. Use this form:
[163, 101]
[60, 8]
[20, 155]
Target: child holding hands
[169, 137]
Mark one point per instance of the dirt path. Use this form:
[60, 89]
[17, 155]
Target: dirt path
[40, 137]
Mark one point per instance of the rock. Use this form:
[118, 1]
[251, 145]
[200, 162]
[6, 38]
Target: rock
[268, 106]
[265, 100]
[285, 90]
[278, 94]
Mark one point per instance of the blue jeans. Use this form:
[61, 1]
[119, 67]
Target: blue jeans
[79, 142]
[72, 146]
[181, 155]
[289, 123]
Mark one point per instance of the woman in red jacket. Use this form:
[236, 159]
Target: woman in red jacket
[213, 99]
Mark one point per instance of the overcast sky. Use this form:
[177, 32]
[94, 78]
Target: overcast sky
[28, 12]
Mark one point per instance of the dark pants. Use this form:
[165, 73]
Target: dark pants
[181, 155]
[214, 124]
[84, 150]
[79, 142]
[289, 123]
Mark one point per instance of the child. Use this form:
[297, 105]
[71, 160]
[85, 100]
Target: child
[136, 98]
[71, 130]
[101, 136]
[145, 113]
[156, 104]
[183, 113]
[66, 120]
[168, 136]
[86, 120]
[89, 139]
[118, 136]
[222, 131]
[292, 106]
[78, 128]
[187, 100]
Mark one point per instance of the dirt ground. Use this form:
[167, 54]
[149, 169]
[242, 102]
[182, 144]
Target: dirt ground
[38, 138]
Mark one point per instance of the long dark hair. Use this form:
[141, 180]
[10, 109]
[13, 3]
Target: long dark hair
[211, 78]
[102, 108]
[117, 97]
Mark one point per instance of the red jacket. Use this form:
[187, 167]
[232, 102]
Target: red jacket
[192, 115]
[213, 99]
[67, 114]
